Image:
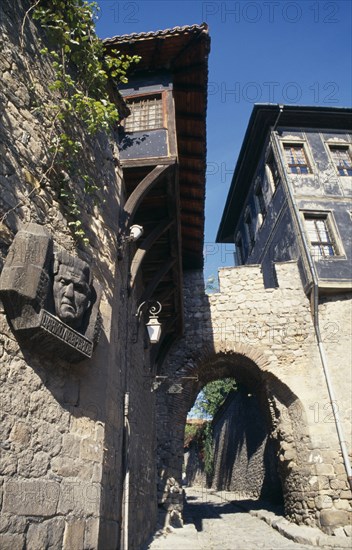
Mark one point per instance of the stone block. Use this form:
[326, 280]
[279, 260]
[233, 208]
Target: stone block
[79, 497]
[325, 469]
[91, 450]
[31, 498]
[65, 466]
[323, 501]
[74, 535]
[11, 542]
[342, 505]
[334, 518]
[71, 445]
[21, 433]
[37, 536]
[83, 426]
[91, 534]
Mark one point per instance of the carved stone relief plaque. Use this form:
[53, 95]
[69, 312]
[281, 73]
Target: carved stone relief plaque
[50, 298]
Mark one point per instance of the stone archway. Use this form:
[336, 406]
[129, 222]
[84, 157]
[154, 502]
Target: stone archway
[284, 412]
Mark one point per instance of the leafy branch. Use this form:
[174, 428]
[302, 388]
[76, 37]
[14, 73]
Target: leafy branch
[81, 103]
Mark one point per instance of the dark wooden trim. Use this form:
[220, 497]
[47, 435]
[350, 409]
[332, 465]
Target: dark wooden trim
[190, 68]
[185, 87]
[190, 156]
[190, 44]
[167, 293]
[141, 190]
[152, 161]
[145, 246]
[172, 138]
[190, 137]
[189, 116]
[158, 277]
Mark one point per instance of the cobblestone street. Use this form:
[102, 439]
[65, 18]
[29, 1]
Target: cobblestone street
[213, 523]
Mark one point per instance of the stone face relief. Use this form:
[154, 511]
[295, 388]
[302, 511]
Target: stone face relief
[50, 298]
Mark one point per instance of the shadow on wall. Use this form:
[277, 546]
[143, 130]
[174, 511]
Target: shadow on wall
[245, 460]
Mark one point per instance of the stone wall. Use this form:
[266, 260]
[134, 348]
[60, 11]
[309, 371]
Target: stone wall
[244, 456]
[63, 450]
[263, 337]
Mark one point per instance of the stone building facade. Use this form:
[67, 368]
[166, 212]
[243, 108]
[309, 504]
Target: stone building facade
[63, 439]
[265, 339]
[281, 322]
[78, 466]
[78, 457]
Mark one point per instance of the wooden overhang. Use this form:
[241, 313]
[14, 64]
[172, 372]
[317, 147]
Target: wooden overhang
[184, 52]
[166, 195]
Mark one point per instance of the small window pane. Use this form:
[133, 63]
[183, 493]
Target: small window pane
[320, 236]
[342, 159]
[261, 201]
[274, 171]
[296, 158]
[146, 114]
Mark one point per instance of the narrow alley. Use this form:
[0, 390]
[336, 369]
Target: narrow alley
[212, 522]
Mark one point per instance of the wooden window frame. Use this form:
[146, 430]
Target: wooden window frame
[341, 146]
[275, 182]
[297, 165]
[260, 201]
[140, 97]
[330, 228]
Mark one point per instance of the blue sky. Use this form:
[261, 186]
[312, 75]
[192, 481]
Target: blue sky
[294, 52]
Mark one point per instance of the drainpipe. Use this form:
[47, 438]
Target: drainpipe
[315, 300]
[126, 484]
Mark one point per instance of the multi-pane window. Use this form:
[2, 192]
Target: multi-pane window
[296, 158]
[320, 235]
[274, 171]
[342, 159]
[146, 113]
[260, 201]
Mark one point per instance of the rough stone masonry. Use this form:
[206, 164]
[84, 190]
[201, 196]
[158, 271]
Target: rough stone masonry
[62, 424]
[264, 337]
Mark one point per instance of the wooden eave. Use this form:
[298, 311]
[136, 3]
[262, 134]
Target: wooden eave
[184, 52]
[172, 211]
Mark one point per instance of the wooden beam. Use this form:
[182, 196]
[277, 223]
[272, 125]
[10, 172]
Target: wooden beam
[141, 190]
[191, 137]
[151, 161]
[189, 116]
[185, 87]
[158, 277]
[189, 69]
[191, 156]
[145, 246]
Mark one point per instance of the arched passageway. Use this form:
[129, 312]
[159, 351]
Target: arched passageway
[282, 413]
[235, 452]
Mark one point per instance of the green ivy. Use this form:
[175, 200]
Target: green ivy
[82, 71]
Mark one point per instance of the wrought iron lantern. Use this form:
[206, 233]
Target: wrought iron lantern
[153, 325]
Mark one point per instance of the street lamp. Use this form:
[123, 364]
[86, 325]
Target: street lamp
[153, 325]
[136, 231]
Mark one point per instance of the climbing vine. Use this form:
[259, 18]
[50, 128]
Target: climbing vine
[81, 104]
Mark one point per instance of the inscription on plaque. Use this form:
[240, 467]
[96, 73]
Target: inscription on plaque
[50, 299]
[70, 337]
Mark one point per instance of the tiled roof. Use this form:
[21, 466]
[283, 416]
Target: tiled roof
[187, 29]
